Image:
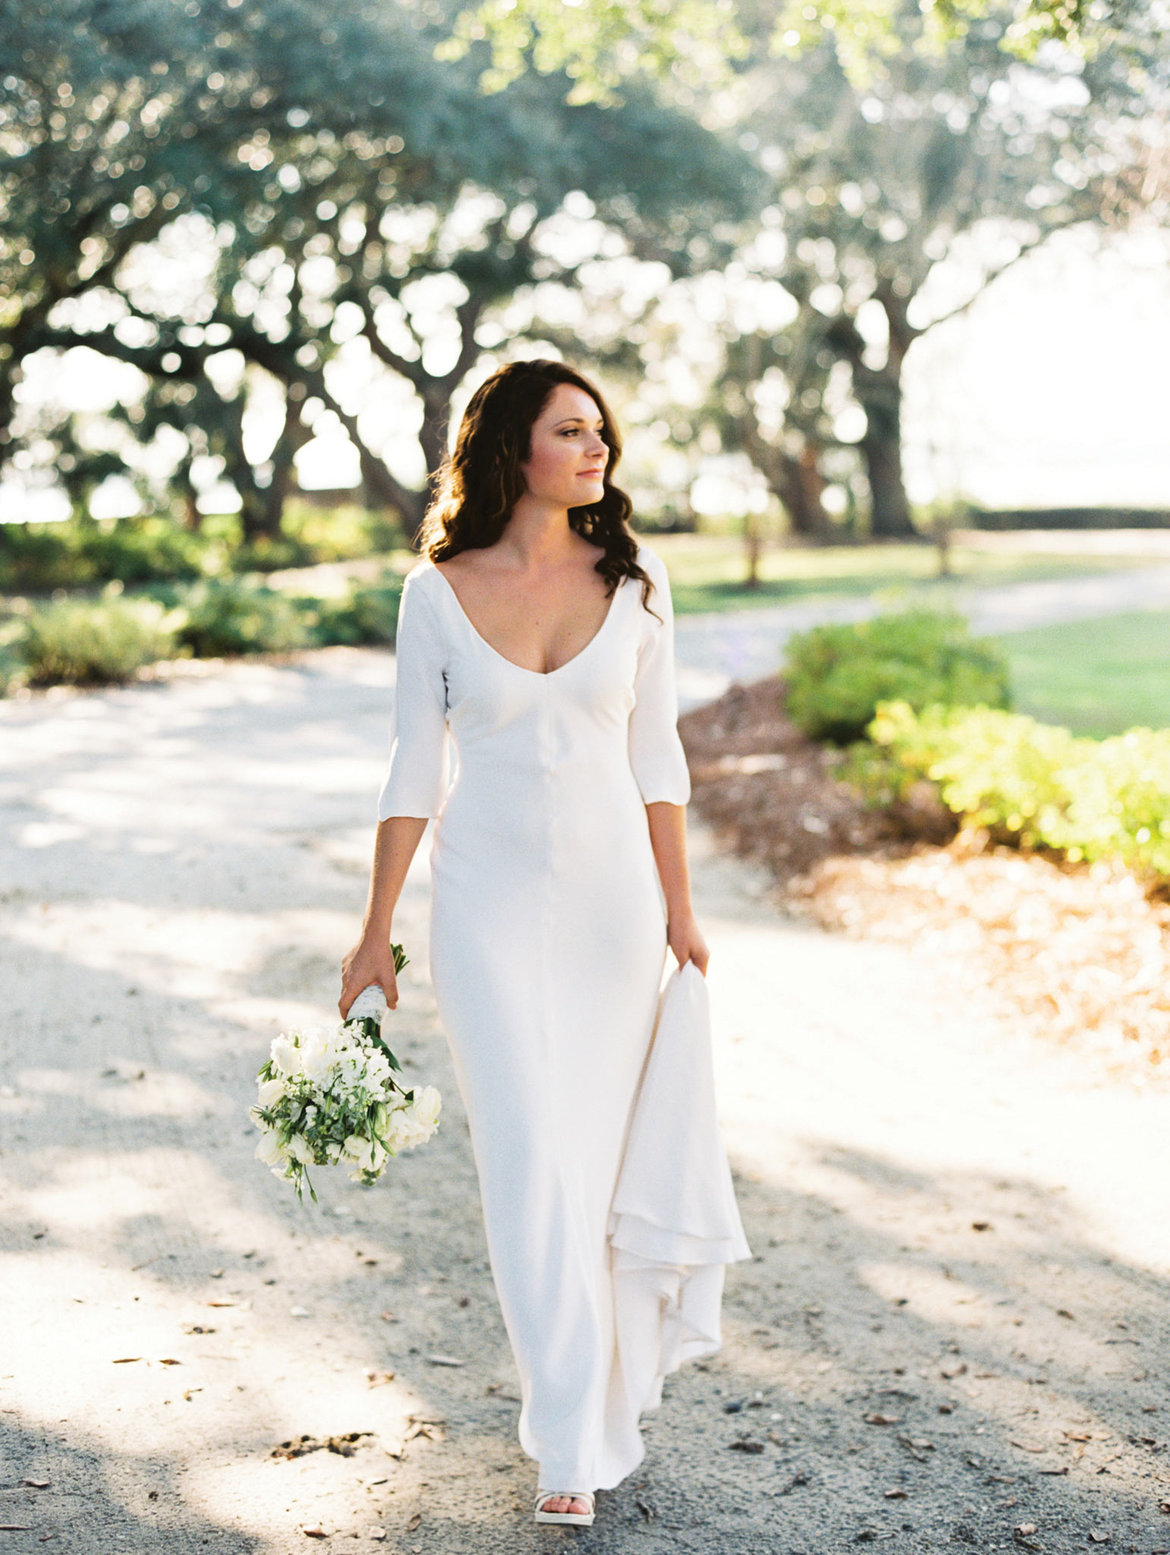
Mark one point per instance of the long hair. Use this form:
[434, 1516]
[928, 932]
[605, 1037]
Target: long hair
[480, 482]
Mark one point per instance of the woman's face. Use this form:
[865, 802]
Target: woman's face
[569, 455]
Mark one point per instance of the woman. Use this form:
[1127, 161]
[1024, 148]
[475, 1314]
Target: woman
[537, 634]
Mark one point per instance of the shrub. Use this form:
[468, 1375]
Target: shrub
[77, 552]
[1032, 783]
[91, 642]
[368, 613]
[238, 615]
[837, 675]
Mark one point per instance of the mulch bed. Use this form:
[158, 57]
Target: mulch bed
[1078, 953]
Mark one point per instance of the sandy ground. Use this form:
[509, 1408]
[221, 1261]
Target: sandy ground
[955, 1327]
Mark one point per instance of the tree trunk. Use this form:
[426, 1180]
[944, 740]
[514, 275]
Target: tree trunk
[432, 435]
[798, 484]
[880, 396]
[878, 390]
[293, 437]
[795, 480]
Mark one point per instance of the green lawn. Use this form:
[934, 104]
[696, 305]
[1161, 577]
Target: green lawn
[706, 571]
[1097, 677]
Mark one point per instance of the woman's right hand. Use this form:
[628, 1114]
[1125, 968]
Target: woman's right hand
[368, 963]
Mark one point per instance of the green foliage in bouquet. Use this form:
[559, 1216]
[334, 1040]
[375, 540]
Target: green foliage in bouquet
[331, 1098]
[837, 675]
[1033, 784]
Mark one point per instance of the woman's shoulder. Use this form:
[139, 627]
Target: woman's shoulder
[653, 566]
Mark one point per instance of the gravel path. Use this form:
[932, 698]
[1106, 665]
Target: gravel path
[728, 645]
[955, 1327]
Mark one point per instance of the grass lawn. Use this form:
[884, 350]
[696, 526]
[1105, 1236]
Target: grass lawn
[706, 571]
[1097, 677]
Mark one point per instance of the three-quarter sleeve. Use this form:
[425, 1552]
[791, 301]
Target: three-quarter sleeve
[656, 753]
[416, 781]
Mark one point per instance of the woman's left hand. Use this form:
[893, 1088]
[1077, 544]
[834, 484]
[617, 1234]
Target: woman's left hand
[687, 944]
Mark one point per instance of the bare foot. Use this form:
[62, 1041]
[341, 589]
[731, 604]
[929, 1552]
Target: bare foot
[577, 1505]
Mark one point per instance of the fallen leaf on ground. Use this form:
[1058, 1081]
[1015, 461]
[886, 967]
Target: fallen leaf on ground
[414, 1522]
[894, 1495]
[745, 1444]
[314, 1533]
[378, 1379]
[981, 1225]
[221, 1303]
[37, 1484]
[127, 1360]
[1064, 1312]
[876, 1419]
[188, 1393]
[443, 1360]
[1027, 1446]
[169, 1360]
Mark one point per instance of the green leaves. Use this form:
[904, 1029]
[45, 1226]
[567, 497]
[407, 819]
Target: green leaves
[837, 675]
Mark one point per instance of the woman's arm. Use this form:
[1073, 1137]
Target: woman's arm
[370, 960]
[668, 838]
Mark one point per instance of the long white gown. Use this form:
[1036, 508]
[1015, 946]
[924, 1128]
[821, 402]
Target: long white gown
[548, 939]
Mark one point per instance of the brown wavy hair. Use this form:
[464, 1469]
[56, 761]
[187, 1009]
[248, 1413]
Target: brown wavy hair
[480, 482]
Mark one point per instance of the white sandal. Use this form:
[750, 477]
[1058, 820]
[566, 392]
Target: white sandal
[578, 1519]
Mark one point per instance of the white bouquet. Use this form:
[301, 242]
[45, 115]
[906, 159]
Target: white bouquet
[329, 1098]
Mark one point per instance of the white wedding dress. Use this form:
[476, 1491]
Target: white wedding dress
[548, 940]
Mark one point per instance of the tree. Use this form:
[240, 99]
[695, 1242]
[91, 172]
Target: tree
[693, 45]
[967, 152]
[331, 167]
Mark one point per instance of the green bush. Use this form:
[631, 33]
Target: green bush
[77, 552]
[238, 615]
[1030, 783]
[837, 675]
[92, 642]
[367, 613]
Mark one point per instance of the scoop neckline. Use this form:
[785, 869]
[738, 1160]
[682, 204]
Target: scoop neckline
[503, 658]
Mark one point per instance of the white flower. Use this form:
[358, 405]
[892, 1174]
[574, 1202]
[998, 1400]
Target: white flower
[270, 1150]
[285, 1054]
[360, 1151]
[300, 1150]
[269, 1092]
[317, 1057]
[426, 1106]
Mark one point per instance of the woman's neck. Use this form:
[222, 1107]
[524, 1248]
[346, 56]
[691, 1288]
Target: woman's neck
[538, 534]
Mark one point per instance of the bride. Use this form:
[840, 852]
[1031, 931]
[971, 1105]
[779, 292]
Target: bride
[535, 657]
